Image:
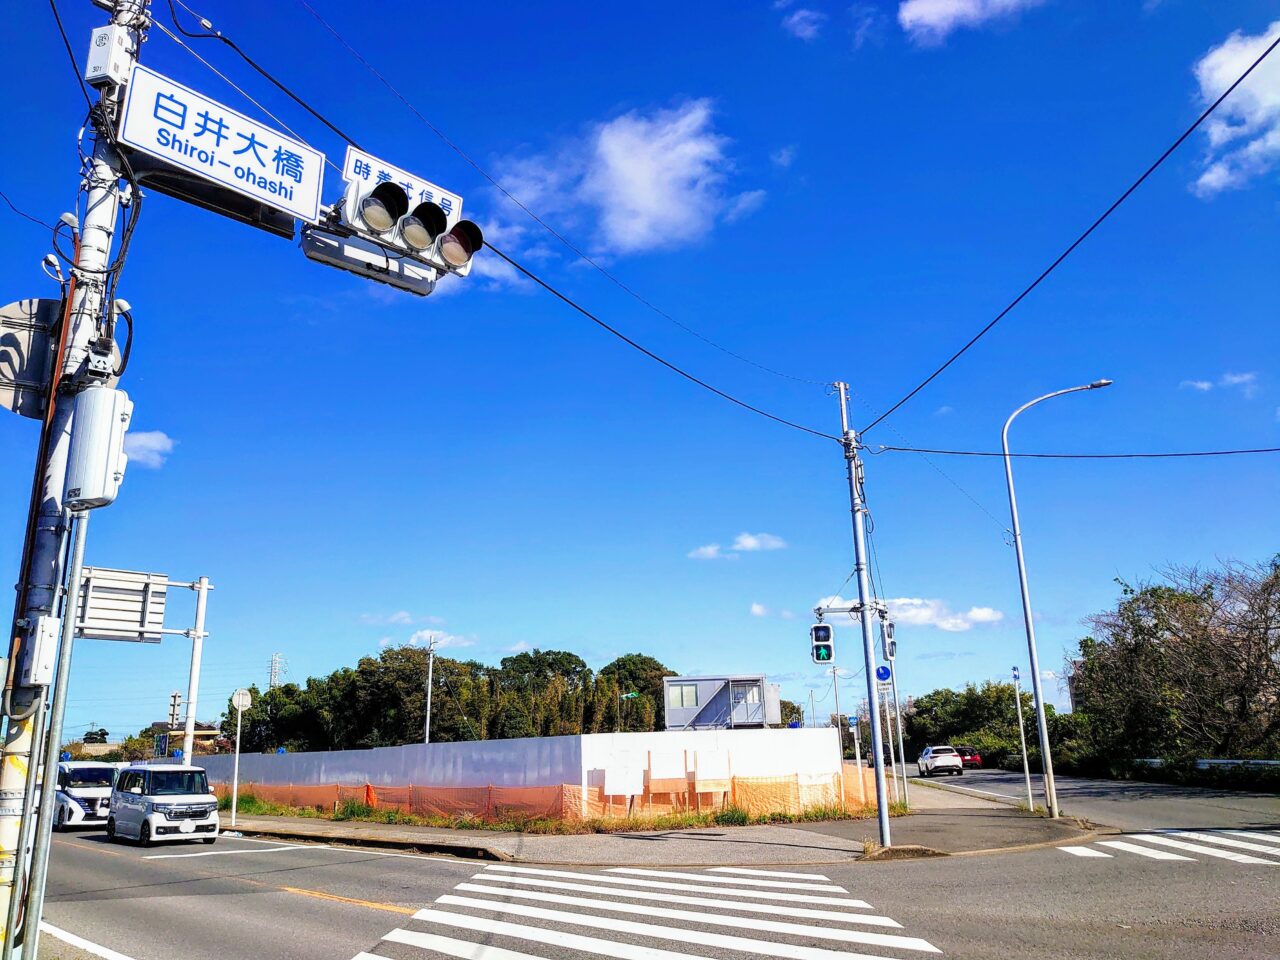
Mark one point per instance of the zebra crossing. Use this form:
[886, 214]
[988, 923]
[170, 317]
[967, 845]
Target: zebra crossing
[510, 912]
[1239, 846]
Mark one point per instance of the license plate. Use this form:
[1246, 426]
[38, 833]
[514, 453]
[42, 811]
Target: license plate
[186, 827]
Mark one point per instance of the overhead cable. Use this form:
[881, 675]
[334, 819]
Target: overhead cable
[565, 241]
[1080, 239]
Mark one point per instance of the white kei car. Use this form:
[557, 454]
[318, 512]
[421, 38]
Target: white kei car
[936, 760]
[163, 802]
[83, 794]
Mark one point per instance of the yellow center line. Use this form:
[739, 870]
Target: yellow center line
[371, 904]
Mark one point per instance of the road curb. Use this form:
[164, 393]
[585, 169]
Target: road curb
[966, 791]
[909, 851]
[460, 850]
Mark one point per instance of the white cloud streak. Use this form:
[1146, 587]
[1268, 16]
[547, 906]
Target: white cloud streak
[751, 542]
[804, 23]
[148, 448]
[930, 22]
[920, 612]
[1244, 133]
[759, 610]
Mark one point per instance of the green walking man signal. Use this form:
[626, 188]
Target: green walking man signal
[822, 641]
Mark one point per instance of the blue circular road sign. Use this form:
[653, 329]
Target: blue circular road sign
[882, 673]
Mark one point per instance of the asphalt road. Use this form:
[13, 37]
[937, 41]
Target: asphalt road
[1167, 896]
[1130, 805]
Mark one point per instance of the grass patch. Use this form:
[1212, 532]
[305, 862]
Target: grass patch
[249, 805]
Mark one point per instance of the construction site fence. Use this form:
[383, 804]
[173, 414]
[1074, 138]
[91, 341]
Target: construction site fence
[757, 796]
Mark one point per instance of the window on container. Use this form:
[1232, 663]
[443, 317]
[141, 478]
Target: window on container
[753, 695]
[682, 695]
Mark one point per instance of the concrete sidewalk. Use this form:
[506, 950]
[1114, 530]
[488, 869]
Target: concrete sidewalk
[943, 823]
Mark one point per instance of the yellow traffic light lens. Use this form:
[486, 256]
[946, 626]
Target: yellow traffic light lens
[416, 234]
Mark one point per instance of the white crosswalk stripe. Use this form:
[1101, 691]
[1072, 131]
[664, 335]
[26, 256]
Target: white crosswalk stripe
[1191, 846]
[629, 914]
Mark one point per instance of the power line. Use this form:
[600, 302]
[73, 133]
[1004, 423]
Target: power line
[217, 35]
[653, 356]
[22, 213]
[1080, 239]
[568, 244]
[1080, 456]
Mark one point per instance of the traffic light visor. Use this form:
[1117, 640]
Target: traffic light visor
[422, 225]
[460, 244]
[385, 204]
[820, 633]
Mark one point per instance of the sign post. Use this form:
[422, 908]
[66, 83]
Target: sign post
[1022, 738]
[241, 700]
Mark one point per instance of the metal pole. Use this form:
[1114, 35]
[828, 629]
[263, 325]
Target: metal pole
[893, 762]
[857, 759]
[1050, 790]
[39, 580]
[53, 742]
[1022, 739]
[835, 687]
[431, 663]
[813, 716]
[193, 682]
[858, 509]
[902, 754]
[235, 770]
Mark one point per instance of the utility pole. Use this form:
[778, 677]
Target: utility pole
[857, 506]
[431, 662]
[86, 359]
[857, 756]
[902, 756]
[813, 716]
[198, 634]
[1022, 739]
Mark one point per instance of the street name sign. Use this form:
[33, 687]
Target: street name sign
[174, 123]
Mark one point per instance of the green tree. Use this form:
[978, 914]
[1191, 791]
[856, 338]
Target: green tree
[791, 713]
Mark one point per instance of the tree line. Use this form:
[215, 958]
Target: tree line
[381, 701]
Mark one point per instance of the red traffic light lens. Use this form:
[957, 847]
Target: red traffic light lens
[460, 244]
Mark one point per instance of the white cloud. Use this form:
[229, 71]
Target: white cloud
[1202, 386]
[1049, 675]
[751, 542]
[866, 23]
[1244, 133]
[710, 551]
[804, 23]
[759, 610]
[788, 615]
[929, 22]
[398, 618]
[1247, 382]
[148, 448]
[518, 647]
[944, 411]
[622, 179]
[783, 156]
[422, 638]
[743, 205]
[919, 612]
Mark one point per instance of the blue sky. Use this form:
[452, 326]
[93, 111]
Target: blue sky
[835, 191]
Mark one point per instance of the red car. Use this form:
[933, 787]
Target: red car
[969, 757]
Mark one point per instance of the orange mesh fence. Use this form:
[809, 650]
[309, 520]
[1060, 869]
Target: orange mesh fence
[755, 795]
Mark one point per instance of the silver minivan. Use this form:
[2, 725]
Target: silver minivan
[163, 802]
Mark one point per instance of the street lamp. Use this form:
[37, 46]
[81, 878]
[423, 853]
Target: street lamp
[1050, 791]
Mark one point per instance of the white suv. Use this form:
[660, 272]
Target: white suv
[936, 760]
[163, 802]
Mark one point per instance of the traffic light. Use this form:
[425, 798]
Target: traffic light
[387, 212]
[886, 636]
[822, 643]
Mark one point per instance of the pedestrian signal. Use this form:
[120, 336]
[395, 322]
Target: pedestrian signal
[821, 638]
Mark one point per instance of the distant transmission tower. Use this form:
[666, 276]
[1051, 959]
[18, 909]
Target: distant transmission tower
[279, 667]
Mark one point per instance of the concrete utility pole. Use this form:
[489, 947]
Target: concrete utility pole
[431, 662]
[40, 579]
[198, 634]
[858, 508]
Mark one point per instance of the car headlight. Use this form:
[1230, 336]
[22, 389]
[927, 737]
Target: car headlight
[163, 808]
